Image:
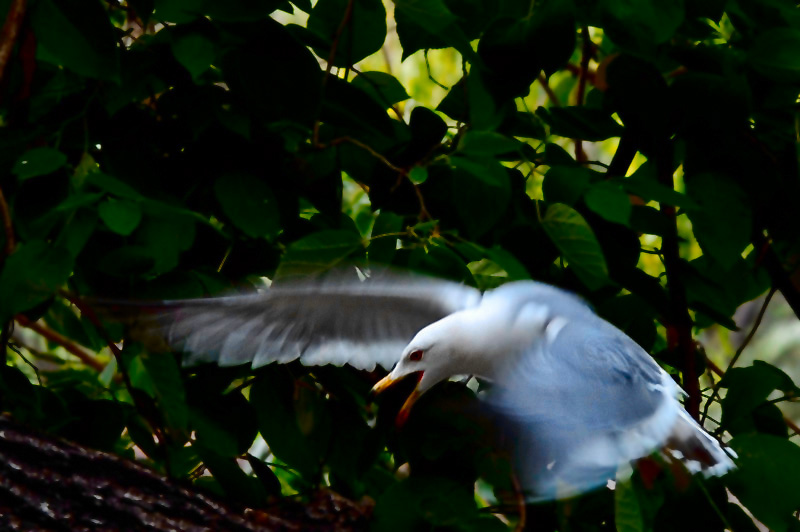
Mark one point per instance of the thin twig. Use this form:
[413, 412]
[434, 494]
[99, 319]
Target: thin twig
[371, 150]
[10, 31]
[82, 354]
[548, 90]
[586, 55]
[739, 351]
[348, 13]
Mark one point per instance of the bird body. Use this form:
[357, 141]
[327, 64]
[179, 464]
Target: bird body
[580, 396]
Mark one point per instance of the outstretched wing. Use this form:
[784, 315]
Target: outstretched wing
[582, 404]
[319, 322]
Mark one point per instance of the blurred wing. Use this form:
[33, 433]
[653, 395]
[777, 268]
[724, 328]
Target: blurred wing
[582, 404]
[319, 322]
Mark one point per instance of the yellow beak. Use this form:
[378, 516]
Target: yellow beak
[382, 385]
[405, 410]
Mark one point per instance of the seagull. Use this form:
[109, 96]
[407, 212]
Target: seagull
[583, 397]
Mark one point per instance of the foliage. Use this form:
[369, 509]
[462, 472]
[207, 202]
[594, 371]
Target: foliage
[156, 149]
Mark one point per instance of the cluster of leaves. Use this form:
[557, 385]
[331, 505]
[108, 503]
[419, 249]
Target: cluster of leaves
[156, 149]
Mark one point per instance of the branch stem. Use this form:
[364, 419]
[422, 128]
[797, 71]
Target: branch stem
[82, 354]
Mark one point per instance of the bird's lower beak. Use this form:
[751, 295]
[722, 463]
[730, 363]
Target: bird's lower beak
[405, 410]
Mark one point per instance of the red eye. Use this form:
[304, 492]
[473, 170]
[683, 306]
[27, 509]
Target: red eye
[415, 356]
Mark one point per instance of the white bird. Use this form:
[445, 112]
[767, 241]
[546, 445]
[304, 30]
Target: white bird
[583, 397]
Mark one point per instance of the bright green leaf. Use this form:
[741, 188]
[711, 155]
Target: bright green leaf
[575, 239]
[610, 202]
[418, 175]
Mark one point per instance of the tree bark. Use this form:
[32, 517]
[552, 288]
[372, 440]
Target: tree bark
[48, 484]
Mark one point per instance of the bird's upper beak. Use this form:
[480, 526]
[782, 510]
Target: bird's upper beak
[405, 410]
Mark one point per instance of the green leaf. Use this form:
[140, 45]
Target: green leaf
[765, 481]
[576, 241]
[195, 52]
[609, 201]
[318, 252]
[483, 143]
[723, 222]
[565, 184]
[78, 35]
[31, 275]
[38, 161]
[250, 72]
[649, 189]
[168, 388]
[482, 190]
[381, 249]
[362, 36]
[351, 109]
[240, 487]
[580, 123]
[638, 25]
[272, 398]
[249, 203]
[776, 53]
[423, 24]
[627, 513]
[240, 10]
[113, 185]
[384, 88]
[121, 216]
[425, 503]
[749, 387]
[418, 175]
[225, 423]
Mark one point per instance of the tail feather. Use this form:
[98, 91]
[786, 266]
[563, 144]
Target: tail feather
[697, 449]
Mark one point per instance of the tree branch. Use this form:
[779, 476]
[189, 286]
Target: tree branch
[57, 338]
[10, 31]
[548, 90]
[586, 55]
[679, 323]
[8, 227]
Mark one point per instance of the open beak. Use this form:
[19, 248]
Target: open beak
[382, 385]
[405, 410]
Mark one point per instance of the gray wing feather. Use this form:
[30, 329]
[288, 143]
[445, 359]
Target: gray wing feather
[318, 322]
[574, 404]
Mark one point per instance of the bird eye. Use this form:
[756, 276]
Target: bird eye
[415, 356]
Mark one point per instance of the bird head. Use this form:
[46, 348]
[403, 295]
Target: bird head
[431, 357]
